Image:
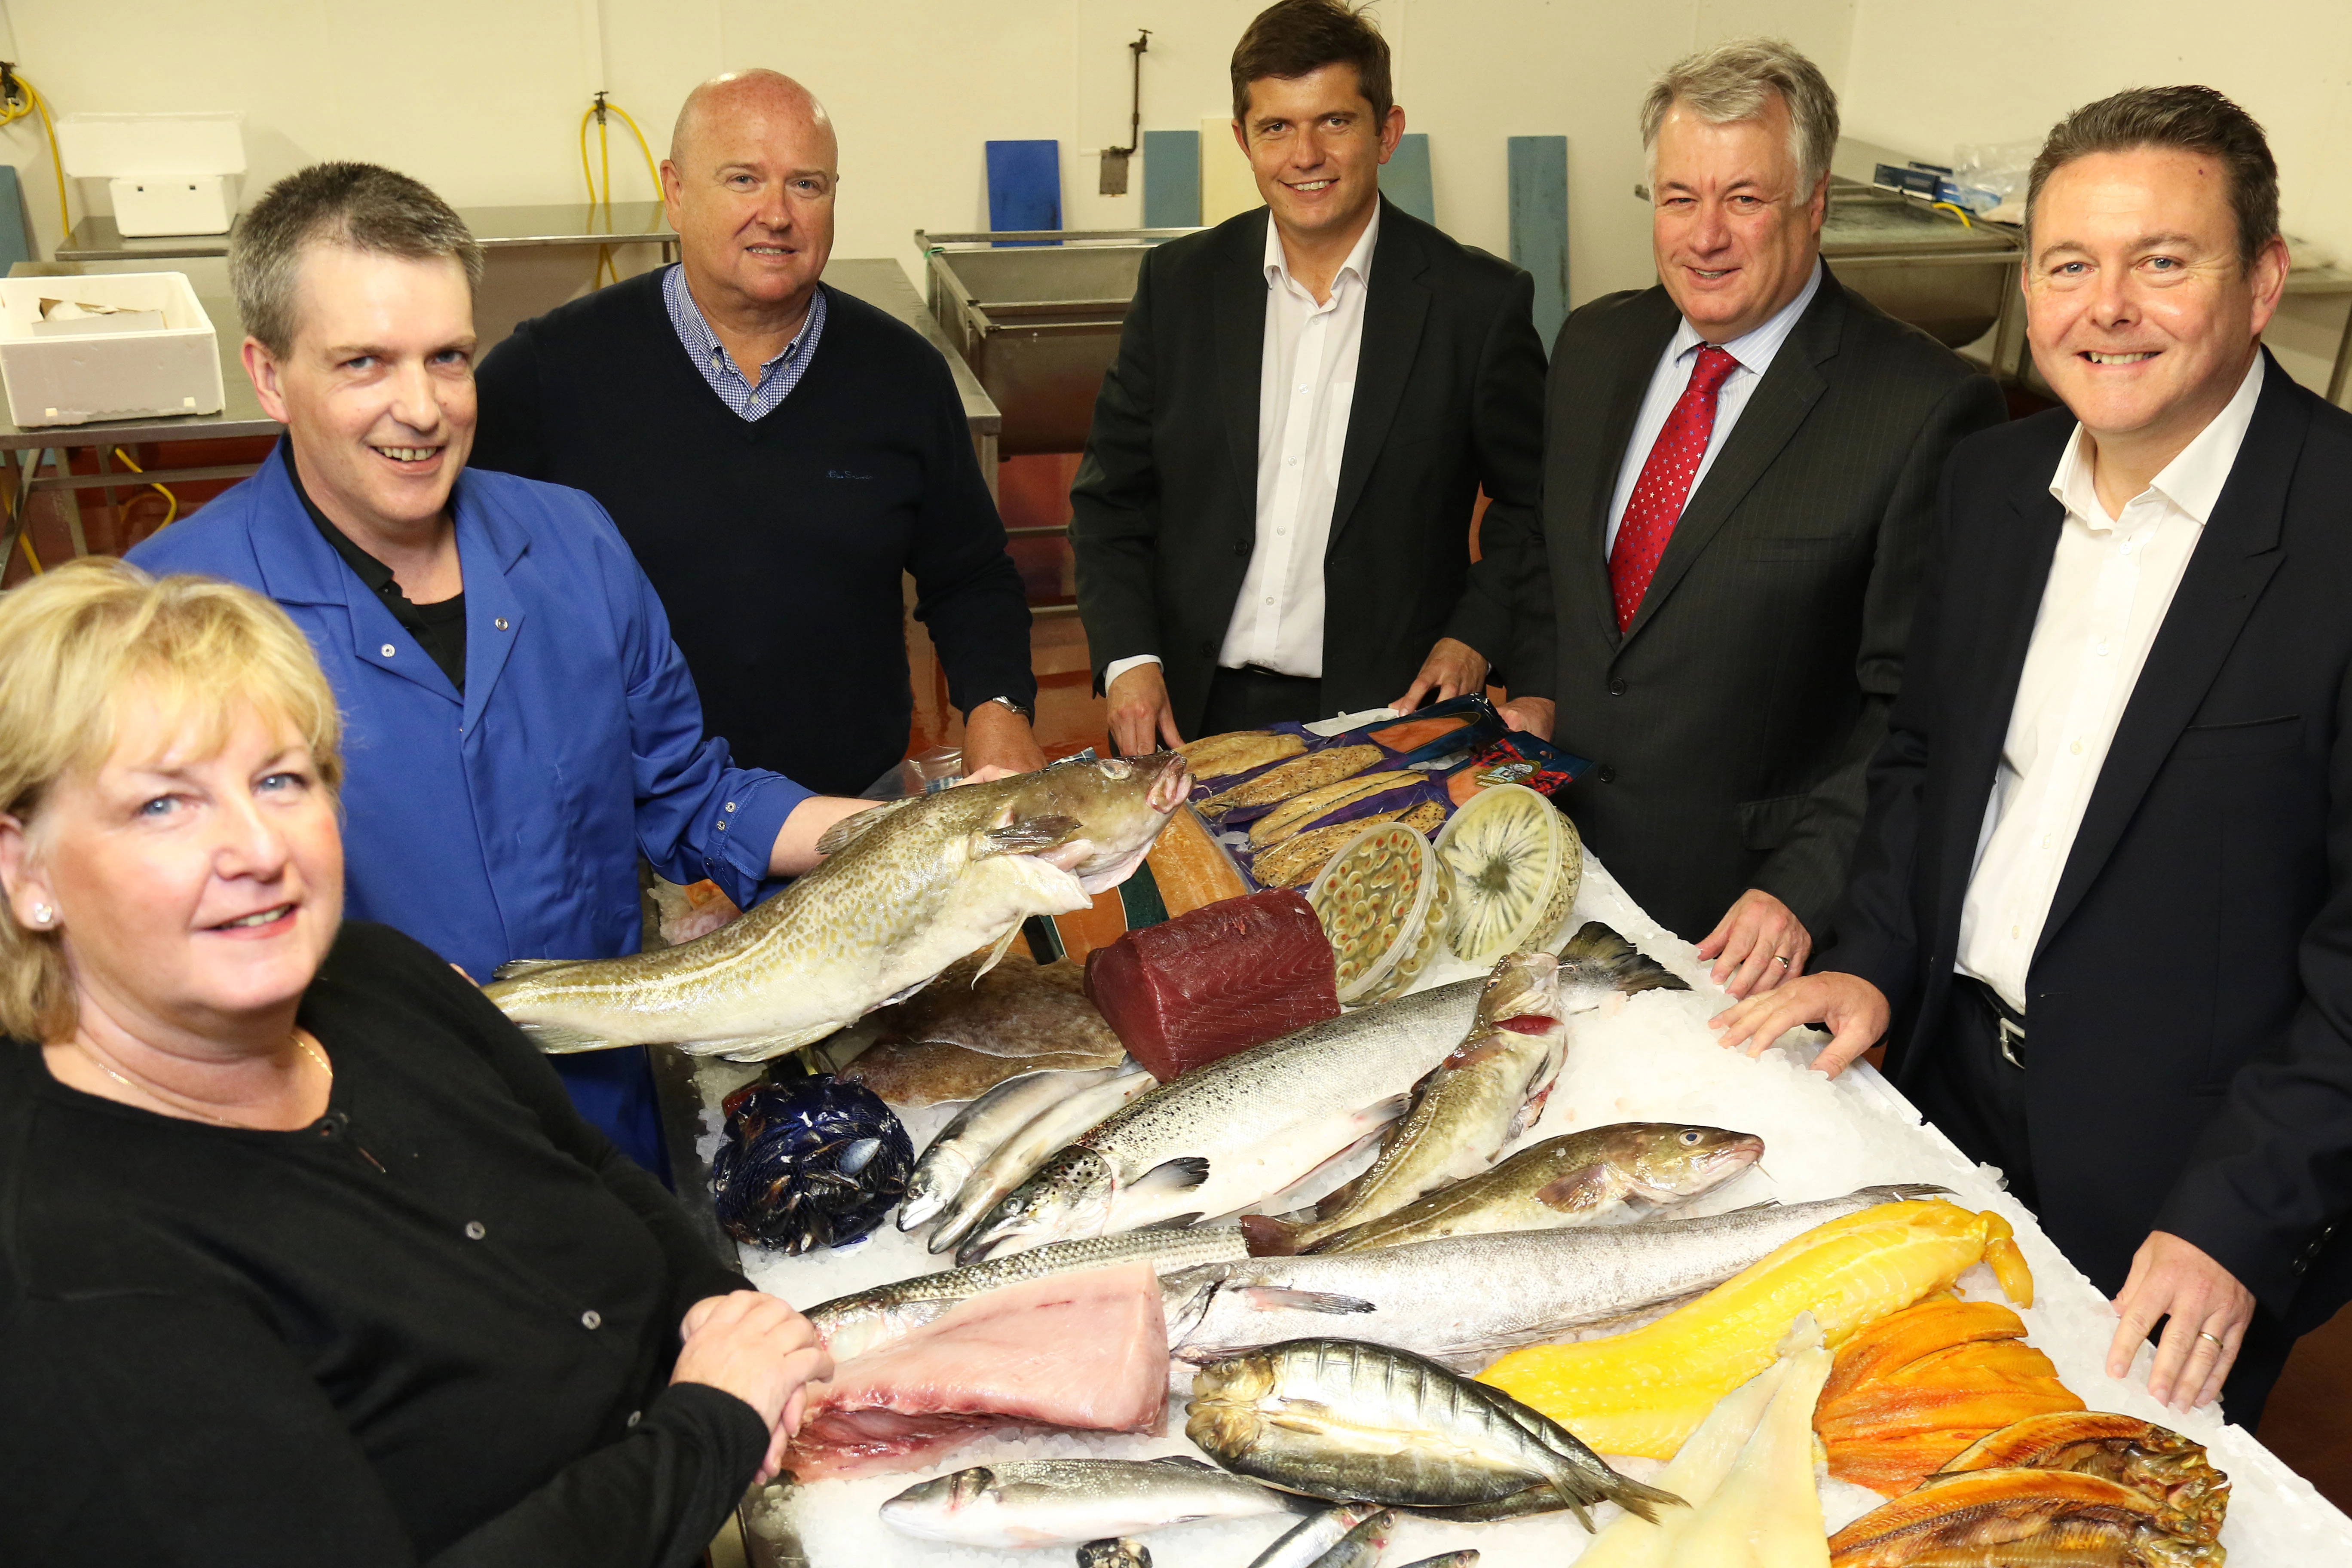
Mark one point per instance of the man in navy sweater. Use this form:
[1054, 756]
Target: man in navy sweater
[777, 454]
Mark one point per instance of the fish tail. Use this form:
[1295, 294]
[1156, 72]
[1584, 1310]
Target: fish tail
[1642, 1501]
[1600, 954]
[1270, 1237]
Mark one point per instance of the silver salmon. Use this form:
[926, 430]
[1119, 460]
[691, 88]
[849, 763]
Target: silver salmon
[906, 889]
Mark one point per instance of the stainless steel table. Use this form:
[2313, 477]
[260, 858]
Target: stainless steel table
[882, 283]
[97, 238]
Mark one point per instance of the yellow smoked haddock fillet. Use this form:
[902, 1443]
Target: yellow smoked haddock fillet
[1645, 1392]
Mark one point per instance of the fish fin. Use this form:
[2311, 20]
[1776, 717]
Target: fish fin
[1577, 1194]
[850, 829]
[758, 1047]
[1337, 1200]
[1184, 1461]
[556, 1040]
[1268, 1237]
[1181, 1174]
[1173, 1221]
[516, 968]
[1642, 1501]
[996, 952]
[1601, 955]
[1279, 1299]
[1025, 836]
[1904, 1192]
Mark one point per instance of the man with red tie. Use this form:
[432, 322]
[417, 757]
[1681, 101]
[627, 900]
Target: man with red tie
[1739, 474]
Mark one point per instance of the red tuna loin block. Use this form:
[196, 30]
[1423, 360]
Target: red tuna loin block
[1087, 1351]
[1230, 975]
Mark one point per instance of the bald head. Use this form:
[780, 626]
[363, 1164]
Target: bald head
[752, 105]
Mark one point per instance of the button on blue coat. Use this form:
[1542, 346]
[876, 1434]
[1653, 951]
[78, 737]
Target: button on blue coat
[507, 824]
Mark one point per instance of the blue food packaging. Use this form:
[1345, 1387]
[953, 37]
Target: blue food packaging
[811, 1163]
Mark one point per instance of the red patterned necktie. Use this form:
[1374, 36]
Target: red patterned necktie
[1656, 503]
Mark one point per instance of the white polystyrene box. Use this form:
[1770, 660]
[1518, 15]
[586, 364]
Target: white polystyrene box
[167, 174]
[74, 379]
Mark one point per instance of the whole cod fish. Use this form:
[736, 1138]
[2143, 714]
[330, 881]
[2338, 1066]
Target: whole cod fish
[1573, 1179]
[907, 889]
[1333, 1418]
[1251, 1125]
[1463, 1300]
[1470, 1106]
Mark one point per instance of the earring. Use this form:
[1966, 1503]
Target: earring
[42, 916]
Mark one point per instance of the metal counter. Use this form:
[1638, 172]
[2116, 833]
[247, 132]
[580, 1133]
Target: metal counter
[1036, 315]
[1954, 280]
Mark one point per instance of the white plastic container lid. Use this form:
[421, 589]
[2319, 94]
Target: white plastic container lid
[1382, 900]
[142, 146]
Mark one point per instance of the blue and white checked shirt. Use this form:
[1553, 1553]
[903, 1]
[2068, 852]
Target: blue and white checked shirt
[777, 377]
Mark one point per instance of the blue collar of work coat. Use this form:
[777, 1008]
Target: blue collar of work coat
[298, 567]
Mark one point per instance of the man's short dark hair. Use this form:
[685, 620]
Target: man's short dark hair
[359, 206]
[1291, 38]
[2189, 120]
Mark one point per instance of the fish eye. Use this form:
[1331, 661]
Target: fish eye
[1117, 767]
[1690, 1135]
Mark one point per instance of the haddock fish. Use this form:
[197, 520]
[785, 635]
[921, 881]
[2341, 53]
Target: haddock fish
[907, 889]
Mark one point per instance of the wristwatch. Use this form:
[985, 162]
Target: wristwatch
[1028, 716]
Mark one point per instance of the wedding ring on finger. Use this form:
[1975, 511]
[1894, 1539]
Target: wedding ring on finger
[1781, 959]
[2215, 1337]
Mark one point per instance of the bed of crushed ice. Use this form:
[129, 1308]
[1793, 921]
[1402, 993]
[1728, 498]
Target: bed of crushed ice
[1648, 1057]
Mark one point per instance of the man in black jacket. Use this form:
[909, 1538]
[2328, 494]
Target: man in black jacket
[1739, 476]
[1272, 517]
[778, 454]
[2105, 892]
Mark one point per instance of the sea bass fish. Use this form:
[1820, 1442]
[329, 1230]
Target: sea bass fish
[853, 1324]
[1241, 1129]
[1464, 1113]
[1337, 1419]
[907, 889]
[1463, 1300]
[1573, 1179]
[1064, 1502]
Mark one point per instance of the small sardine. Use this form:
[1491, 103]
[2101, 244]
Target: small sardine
[1303, 1544]
[952, 1157]
[1018, 1156]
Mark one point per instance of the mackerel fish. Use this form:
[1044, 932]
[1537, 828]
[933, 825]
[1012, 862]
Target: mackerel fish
[853, 1324]
[1340, 1419]
[1463, 1301]
[906, 889]
[1064, 1502]
[1245, 1128]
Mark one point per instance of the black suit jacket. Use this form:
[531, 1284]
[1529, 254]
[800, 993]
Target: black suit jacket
[1733, 720]
[2188, 1009]
[1449, 393]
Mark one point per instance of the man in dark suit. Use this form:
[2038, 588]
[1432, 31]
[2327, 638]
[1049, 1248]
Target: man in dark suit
[2105, 889]
[1739, 475]
[1273, 518]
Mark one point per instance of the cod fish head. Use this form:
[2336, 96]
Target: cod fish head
[1068, 1198]
[1118, 805]
[1666, 1162]
[1522, 986]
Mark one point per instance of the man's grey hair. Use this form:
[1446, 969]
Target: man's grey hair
[358, 207]
[2184, 120]
[1733, 81]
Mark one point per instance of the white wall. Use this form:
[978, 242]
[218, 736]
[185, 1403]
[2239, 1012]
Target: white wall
[482, 98]
[1926, 75]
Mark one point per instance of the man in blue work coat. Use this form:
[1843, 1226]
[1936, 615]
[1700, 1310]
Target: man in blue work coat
[518, 724]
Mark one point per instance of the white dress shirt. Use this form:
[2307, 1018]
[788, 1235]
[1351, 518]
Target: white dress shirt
[1755, 351]
[1306, 384]
[2110, 581]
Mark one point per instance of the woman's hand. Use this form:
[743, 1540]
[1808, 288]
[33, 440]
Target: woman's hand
[752, 1345]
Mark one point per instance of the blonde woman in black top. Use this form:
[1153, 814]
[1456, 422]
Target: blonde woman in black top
[305, 1255]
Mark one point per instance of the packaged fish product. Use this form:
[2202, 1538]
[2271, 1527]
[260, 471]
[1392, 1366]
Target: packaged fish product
[1219, 980]
[1515, 864]
[1384, 900]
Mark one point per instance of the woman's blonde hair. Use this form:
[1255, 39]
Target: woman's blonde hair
[75, 645]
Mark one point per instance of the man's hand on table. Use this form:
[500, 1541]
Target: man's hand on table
[1140, 719]
[1855, 1011]
[1452, 668]
[752, 1345]
[1758, 943]
[996, 737]
[2208, 1311]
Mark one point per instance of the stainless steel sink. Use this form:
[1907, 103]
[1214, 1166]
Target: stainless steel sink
[1038, 323]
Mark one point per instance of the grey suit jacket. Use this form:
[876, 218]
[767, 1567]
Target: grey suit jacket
[1732, 721]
